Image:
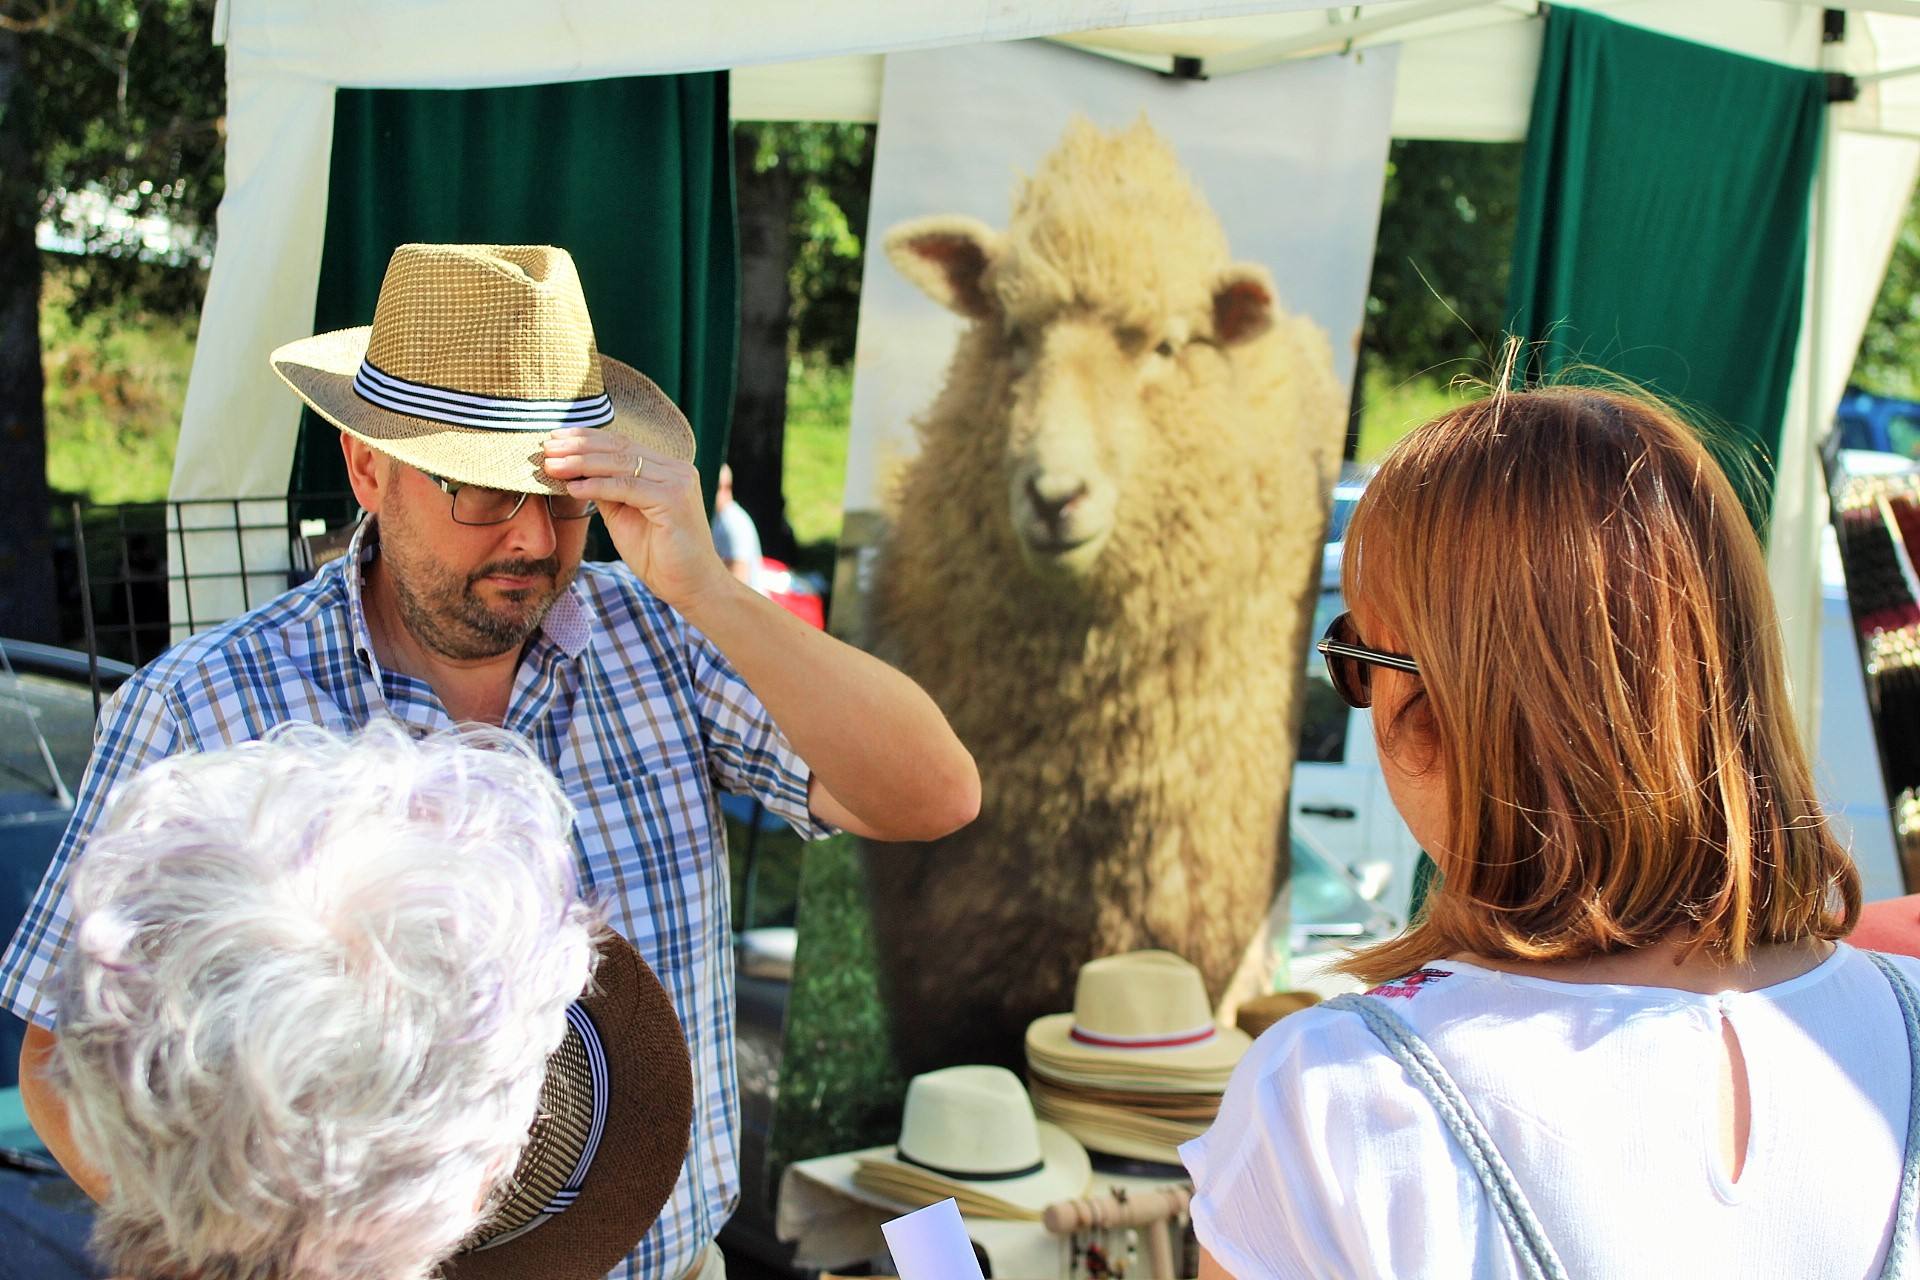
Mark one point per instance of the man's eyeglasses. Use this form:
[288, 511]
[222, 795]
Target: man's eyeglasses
[476, 504]
[1350, 664]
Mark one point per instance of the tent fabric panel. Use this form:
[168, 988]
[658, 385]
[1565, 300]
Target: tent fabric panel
[632, 176]
[1662, 230]
[1472, 86]
[475, 43]
[237, 425]
[1865, 189]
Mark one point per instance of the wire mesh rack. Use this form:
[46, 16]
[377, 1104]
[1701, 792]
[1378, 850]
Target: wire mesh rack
[135, 578]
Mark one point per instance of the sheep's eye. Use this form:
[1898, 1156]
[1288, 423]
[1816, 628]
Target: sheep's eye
[1165, 348]
[1130, 338]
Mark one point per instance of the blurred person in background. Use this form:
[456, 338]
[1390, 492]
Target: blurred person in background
[734, 535]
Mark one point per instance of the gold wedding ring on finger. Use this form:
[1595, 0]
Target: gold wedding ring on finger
[639, 464]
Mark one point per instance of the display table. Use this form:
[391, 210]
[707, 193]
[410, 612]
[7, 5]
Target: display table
[834, 1222]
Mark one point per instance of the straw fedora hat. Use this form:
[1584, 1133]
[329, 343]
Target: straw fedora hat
[608, 1145]
[970, 1133]
[475, 354]
[1142, 1016]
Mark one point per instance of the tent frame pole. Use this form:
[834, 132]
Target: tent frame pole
[1875, 77]
[1337, 36]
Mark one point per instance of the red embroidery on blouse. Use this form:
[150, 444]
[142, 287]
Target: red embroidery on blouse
[1408, 987]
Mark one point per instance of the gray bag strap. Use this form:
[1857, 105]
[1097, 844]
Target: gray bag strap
[1900, 1248]
[1537, 1259]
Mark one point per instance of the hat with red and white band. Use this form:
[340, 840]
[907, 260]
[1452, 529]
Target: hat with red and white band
[1139, 1020]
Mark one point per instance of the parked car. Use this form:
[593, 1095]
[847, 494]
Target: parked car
[1880, 424]
[47, 701]
[1339, 799]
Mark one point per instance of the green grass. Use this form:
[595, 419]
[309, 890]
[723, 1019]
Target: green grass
[1392, 407]
[839, 1087]
[819, 409]
[115, 386]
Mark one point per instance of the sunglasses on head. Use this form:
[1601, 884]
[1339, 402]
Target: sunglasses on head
[1350, 664]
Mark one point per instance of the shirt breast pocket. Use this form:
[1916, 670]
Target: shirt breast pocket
[651, 856]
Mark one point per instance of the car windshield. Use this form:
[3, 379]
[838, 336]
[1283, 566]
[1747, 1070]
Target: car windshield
[46, 731]
[1345, 498]
[1322, 894]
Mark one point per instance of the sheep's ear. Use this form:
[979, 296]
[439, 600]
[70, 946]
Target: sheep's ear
[1242, 304]
[947, 257]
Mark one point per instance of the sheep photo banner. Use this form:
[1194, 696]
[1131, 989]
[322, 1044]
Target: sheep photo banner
[1107, 330]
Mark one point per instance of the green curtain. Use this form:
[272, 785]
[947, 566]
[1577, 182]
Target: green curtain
[633, 177]
[1662, 229]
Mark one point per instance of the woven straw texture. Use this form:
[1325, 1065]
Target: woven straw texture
[507, 321]
[559, 1135]
[643, 1144]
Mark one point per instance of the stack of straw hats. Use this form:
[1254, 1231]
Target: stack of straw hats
[1138, 1067]
[970, 1133]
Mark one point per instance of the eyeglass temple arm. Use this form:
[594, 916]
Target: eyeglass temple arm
[1398, 661]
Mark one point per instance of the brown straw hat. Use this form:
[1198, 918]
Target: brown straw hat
[475, 354]
[616, 1113]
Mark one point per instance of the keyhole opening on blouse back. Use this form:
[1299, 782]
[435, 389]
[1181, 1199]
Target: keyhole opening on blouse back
[1736, 1103]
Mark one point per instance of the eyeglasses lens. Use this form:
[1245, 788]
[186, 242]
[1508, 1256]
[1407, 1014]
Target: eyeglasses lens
[475, 504]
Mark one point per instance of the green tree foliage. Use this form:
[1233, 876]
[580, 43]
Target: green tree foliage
[1439, 294]
[832, 168]
[801, 192]
[107, 106]
[1888, 362]
[130, 103]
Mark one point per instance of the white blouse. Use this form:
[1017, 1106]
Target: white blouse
[1327, 1161]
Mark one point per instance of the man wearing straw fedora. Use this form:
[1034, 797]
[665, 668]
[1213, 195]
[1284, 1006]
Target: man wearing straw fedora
[482, 428]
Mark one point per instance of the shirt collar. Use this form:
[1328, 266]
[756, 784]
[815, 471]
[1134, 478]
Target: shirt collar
[568, 624]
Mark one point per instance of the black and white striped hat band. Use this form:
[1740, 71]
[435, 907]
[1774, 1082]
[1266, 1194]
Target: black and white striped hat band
[466, 409]
[581, 1033]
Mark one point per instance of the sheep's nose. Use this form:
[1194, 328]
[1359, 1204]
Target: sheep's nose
[1052, 495]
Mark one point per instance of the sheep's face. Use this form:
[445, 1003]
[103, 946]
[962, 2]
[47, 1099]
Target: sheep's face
[1081, 378]
[1075, 430]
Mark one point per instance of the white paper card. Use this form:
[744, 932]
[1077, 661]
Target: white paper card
[932, 1244]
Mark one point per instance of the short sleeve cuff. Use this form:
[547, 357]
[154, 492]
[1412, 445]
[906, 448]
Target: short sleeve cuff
[785, 795]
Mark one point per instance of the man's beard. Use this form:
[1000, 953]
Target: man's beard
[446, 614]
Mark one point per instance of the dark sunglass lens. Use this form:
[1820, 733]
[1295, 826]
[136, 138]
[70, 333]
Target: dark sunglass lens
[1352, 679]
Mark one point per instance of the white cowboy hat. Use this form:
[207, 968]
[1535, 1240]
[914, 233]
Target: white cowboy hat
[970, 1133]
[1142, 1021]
[475, 354]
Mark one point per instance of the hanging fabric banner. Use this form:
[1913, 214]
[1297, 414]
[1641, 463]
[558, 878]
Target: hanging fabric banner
[1107, 331]
[633, 177]
[1662, 231]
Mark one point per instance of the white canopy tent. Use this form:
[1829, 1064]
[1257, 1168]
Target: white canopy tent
[1466, 71]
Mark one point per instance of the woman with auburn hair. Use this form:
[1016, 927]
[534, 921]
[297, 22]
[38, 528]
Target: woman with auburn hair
[1624, 1039]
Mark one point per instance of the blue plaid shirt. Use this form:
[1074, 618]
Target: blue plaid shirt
[637, 713]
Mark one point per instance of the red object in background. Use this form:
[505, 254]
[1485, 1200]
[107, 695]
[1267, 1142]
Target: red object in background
[1892, 926]
[780, 585]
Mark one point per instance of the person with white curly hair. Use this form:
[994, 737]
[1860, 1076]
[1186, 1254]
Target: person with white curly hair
[306, 1011]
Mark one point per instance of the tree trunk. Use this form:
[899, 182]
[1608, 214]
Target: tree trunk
[757, 453]
[27, 610]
